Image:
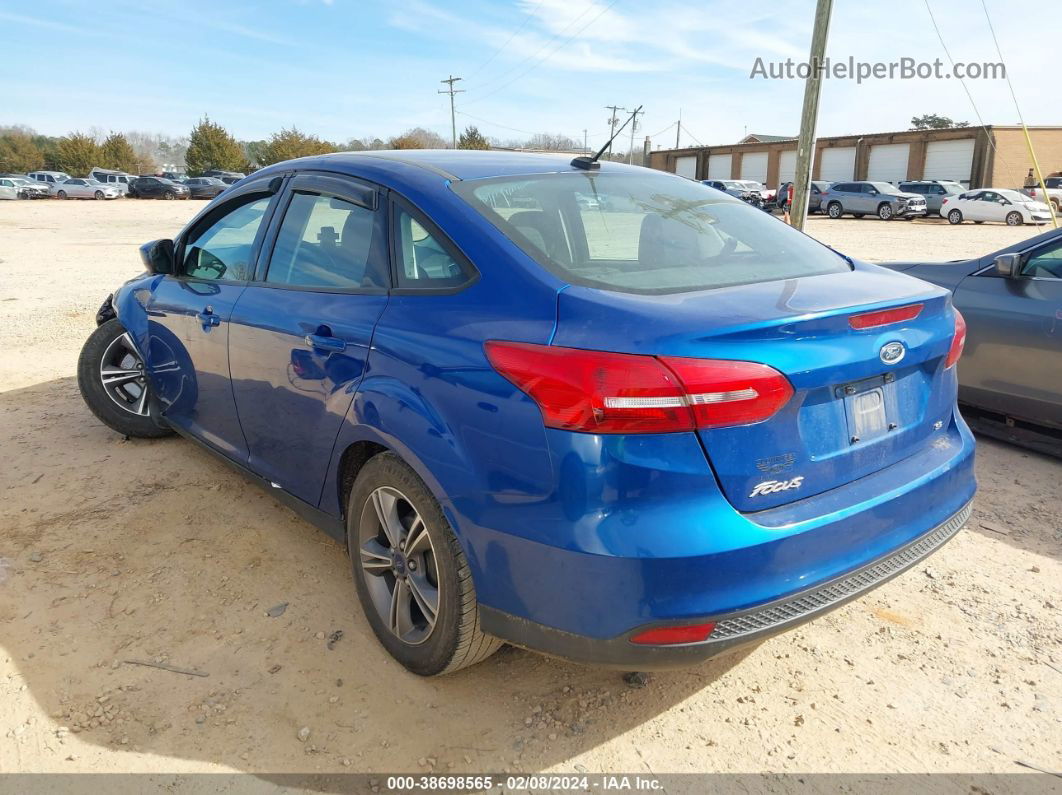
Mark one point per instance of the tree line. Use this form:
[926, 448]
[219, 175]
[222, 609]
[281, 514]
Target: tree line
[210, 146]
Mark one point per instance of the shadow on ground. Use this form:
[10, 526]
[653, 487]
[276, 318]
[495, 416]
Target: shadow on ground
[119, 550]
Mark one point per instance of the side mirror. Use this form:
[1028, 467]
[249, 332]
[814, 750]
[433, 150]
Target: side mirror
[1008, 265]
[158, 256]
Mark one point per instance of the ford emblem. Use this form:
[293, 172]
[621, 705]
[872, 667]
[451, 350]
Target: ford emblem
[892, 352]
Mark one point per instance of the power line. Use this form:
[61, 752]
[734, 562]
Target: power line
[512, 36]
[535, 54]
[549, 54]
[1028, 139]
[940, 38]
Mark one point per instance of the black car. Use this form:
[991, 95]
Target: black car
[157, 188]
[228, 177]
[204, 187]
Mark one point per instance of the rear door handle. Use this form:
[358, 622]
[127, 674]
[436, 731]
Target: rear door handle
[331, 344]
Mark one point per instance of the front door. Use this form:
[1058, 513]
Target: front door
[188, 322]
[300, 334]
[1013, 358]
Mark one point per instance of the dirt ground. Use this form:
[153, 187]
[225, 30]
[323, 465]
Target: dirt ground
[115, 550]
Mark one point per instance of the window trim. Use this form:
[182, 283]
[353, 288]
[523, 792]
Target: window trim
[329, 185]
[397, 202]
[211, 214]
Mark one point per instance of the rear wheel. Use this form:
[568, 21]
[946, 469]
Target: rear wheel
[885, 212]
[1055, 205]
[412, 577]
[834, 210]
[114, 384]
[955, 217]
[1015, 218]
[61, 194]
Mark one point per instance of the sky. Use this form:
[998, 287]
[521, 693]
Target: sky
[341, 69]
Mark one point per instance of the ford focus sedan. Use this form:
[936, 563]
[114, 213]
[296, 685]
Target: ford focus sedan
[633, 431]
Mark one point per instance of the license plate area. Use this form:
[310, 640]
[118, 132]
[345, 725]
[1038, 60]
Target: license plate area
[870, 408]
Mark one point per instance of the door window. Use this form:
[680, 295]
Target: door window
[325, 241]
[423, 260]
[222, 251]
[1046, 263]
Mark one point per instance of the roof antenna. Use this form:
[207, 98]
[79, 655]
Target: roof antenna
[590, 163]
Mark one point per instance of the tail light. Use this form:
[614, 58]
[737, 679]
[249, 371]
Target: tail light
[958, 340]
[884, 317]
[603, 392]
[669, 636]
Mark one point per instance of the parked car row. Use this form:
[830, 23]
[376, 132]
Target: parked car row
[922, 198]
[102, 183]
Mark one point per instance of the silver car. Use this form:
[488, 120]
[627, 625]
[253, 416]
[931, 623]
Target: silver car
[84, 188]
[8, 189]
[30, 189]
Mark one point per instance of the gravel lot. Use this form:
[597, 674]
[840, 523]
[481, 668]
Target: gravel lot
[115, 550]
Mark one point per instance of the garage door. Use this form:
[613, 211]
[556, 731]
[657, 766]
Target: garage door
[719, 166]
[754, 166]
[952, 160]
[837, 163]
[888, 162]
[686, 166]
[787, 167]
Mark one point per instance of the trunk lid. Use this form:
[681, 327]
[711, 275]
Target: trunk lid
[855, 409]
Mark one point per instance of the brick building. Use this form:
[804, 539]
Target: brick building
[995, 156]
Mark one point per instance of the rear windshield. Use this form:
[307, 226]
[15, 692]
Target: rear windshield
[645, 232]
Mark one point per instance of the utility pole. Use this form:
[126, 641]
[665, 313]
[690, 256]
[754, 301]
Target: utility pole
[451, 91]
[678, 129]
[809, 114]
[586, 141]
[612, 125]
[634, 126]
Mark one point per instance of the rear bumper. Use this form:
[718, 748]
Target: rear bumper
[731, 629]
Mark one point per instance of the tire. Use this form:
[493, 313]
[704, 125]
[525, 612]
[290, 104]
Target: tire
[885, 211]
[1015, 218]
[169, 195]
[1056, 205]
[98, 195]
[955, 217]
[834, 210]
[386, 486]
[61, 194]
[127, 405]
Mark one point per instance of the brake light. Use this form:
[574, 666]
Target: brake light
[668, 636]
[958, 340]
[722, 392]
[884, 317]
[604, 392]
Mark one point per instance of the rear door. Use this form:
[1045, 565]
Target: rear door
[188, 319]
[1013, 359]
[300, 333]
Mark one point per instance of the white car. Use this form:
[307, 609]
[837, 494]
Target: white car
[84, 188]
[995, 204]
[8, 189]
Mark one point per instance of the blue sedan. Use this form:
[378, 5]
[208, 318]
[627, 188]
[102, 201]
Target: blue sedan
[589, 409]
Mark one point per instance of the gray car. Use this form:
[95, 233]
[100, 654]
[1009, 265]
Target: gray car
[872, 198]
[935, 191]
[1010, 376]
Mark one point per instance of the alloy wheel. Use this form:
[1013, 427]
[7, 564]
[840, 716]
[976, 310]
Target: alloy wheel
[885, 212]
[123, 377]
[1014, 219]
[398, 557]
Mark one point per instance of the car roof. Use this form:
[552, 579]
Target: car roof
[452, 164]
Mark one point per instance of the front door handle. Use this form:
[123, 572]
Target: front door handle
[208, 319]
[331, 344]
